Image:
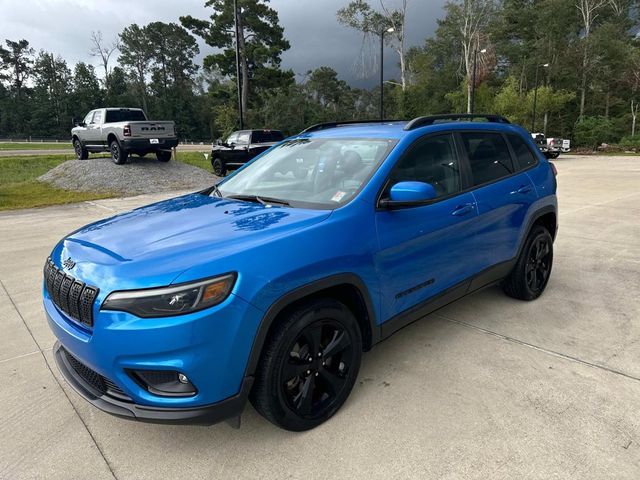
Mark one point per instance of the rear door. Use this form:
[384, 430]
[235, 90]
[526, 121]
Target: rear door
[503, 193]
[424, 250]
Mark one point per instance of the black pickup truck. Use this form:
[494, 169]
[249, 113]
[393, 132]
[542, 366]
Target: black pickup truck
[240, 147]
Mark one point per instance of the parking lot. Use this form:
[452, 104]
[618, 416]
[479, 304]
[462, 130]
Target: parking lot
[488, 387]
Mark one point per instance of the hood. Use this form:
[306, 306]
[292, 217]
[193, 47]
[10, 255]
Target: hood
[152, 245]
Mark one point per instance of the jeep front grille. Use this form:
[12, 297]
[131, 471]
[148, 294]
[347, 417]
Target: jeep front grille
[72, 296]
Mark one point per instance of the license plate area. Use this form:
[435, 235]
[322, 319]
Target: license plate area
[154, 141]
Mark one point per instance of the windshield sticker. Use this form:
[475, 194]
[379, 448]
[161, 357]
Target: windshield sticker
[338, 196]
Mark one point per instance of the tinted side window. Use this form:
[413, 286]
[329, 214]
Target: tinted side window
[266, 136]
[433, 161]
[523, 154]
[489, 156]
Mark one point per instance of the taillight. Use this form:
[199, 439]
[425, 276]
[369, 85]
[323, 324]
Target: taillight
[126, 131]
[554, 169]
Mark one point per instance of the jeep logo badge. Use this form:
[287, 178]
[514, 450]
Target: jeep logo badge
[68, 263]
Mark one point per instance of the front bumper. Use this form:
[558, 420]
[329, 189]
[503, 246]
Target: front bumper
[202, 415]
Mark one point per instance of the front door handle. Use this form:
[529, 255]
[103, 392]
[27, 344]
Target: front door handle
[522, 189]
[463, 209]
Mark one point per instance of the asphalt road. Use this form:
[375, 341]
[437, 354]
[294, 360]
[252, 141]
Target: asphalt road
[486, 388]
[27, 152]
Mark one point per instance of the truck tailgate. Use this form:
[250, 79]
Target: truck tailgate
[152, 129]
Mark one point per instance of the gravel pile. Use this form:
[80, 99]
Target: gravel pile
[137, 176]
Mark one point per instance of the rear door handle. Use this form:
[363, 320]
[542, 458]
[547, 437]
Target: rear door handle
[522, 189]
[463, 209]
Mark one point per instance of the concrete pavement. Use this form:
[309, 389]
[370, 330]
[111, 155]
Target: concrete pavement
[488, 387]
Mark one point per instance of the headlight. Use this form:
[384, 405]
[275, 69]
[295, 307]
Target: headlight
[174, 300]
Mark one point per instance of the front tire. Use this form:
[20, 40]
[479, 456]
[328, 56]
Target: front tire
[530, 276]
[118, 154]
[309, 365]
[219, 168]
[163, 155]
[81, 152]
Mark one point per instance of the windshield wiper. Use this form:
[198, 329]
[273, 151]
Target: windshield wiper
[216, 191]
[262, 200]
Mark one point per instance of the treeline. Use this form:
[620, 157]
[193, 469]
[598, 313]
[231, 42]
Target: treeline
[585, 55]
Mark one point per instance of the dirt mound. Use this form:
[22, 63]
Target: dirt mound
[137, 176]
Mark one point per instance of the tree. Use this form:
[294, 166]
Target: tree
[470, 20]
[589, 11]
[361, 16]
[17, 61]
[260, 40]
[103, 51]
[86, 89]
[135, 55]
[52, 79]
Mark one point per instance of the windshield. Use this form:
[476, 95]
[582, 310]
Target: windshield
[322, 173]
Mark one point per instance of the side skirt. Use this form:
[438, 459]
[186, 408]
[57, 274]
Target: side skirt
[486, 278]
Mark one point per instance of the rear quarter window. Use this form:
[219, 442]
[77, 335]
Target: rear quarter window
[524, 156]
[489, 156]
[266, 136]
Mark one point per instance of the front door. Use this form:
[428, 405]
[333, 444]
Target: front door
[426, 249]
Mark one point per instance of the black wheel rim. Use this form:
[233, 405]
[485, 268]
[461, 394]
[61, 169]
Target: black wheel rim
[316, 367]
[538, 264]
[115, 152]
[217, 168]
[77, 148]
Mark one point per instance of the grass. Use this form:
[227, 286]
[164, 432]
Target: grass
[20, 189]
[35, 146]
[196, 159]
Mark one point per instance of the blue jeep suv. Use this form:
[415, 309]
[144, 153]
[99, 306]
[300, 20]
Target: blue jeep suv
[270, 285]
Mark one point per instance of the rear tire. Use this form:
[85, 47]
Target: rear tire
[219, 168]
[309, 365]
[163, 155]
[118, 154]
[81, 152]
[530, 276]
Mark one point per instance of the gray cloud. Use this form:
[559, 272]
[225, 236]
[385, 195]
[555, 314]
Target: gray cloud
[64, 27]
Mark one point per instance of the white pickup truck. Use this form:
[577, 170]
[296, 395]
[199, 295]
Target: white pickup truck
[122, 131]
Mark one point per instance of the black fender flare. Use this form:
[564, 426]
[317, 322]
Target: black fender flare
[535, 216]
[309, 289]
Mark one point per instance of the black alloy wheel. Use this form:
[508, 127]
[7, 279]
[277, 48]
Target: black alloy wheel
[80, 150]
[316, 369]
[118, 155]
[538, 265]
[219, 168]
[531, 273]
[309, 365]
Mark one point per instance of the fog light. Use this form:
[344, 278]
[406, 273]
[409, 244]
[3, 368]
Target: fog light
[166, 383]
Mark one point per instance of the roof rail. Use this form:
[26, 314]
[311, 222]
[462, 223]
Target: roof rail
[325, 125]
[453, 117]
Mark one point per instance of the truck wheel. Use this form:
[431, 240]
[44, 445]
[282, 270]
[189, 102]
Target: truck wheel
[118, 154]
[554, 155]
[309, 365]
[530, 275]
[81, 152]
[163, 155]
[219, 168]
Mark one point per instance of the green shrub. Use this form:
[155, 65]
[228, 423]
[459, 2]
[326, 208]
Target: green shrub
[593, 131]
[631, 143]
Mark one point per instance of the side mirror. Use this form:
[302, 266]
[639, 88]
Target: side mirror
[219, 141]
[232, 145]
[407, 194]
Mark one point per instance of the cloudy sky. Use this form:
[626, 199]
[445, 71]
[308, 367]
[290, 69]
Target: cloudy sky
[64, 27]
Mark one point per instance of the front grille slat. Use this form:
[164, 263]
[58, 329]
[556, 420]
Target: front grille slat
[71, 296]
